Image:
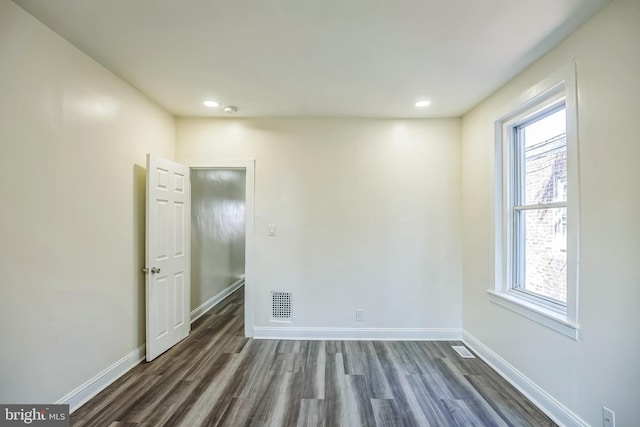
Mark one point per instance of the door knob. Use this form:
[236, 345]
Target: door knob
[153, 270]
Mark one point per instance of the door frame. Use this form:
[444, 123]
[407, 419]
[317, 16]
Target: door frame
[249, 239]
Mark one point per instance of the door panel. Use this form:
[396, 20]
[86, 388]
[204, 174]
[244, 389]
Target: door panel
[167, 255]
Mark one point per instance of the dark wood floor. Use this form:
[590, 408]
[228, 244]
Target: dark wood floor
[216, 377]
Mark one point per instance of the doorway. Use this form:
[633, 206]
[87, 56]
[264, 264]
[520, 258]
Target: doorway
[222, 225]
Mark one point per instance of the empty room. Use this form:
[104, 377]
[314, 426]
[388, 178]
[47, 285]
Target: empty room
[320, 213]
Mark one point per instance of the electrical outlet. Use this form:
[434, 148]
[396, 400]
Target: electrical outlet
[359, 315]
[608, 417]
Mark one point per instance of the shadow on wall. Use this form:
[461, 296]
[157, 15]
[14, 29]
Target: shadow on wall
[139, 242]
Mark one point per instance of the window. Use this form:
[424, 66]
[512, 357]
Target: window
[536, 206]
[538, 158]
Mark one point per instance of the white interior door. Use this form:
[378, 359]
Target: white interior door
[168, 282]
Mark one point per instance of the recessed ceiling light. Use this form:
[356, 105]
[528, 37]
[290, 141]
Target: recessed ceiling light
[231, 109]
[422, 104]
[211, 104]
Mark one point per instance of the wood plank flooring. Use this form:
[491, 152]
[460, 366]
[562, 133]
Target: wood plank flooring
[216, 377]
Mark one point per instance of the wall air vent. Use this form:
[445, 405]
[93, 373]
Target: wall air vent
[281, 306]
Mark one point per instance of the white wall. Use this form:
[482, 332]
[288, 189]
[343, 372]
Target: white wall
[601, 368]
[367, 215]
[73, 140]
[217, 231]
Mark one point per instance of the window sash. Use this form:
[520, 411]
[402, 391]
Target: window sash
[542, 300]
[517, 178]
[551, 205]
[518, 259]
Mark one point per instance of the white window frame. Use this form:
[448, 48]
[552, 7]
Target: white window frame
[546, 95]
[514, 185]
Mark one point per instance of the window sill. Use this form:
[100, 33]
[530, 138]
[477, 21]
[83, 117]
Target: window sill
[538, 314]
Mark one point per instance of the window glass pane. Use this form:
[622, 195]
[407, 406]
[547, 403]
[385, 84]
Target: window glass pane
[545, 163]
[545, 252]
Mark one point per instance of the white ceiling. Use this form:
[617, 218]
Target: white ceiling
[351, 58]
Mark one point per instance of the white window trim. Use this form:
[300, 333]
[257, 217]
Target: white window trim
[556, 86]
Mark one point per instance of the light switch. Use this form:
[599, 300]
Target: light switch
[272, 229]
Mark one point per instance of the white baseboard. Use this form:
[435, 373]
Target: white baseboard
[357, 334]
[211, 302]
[95, 385]
[559, 413]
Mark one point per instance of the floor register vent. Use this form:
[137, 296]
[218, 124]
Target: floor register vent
[281, 306]
[463, 351]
